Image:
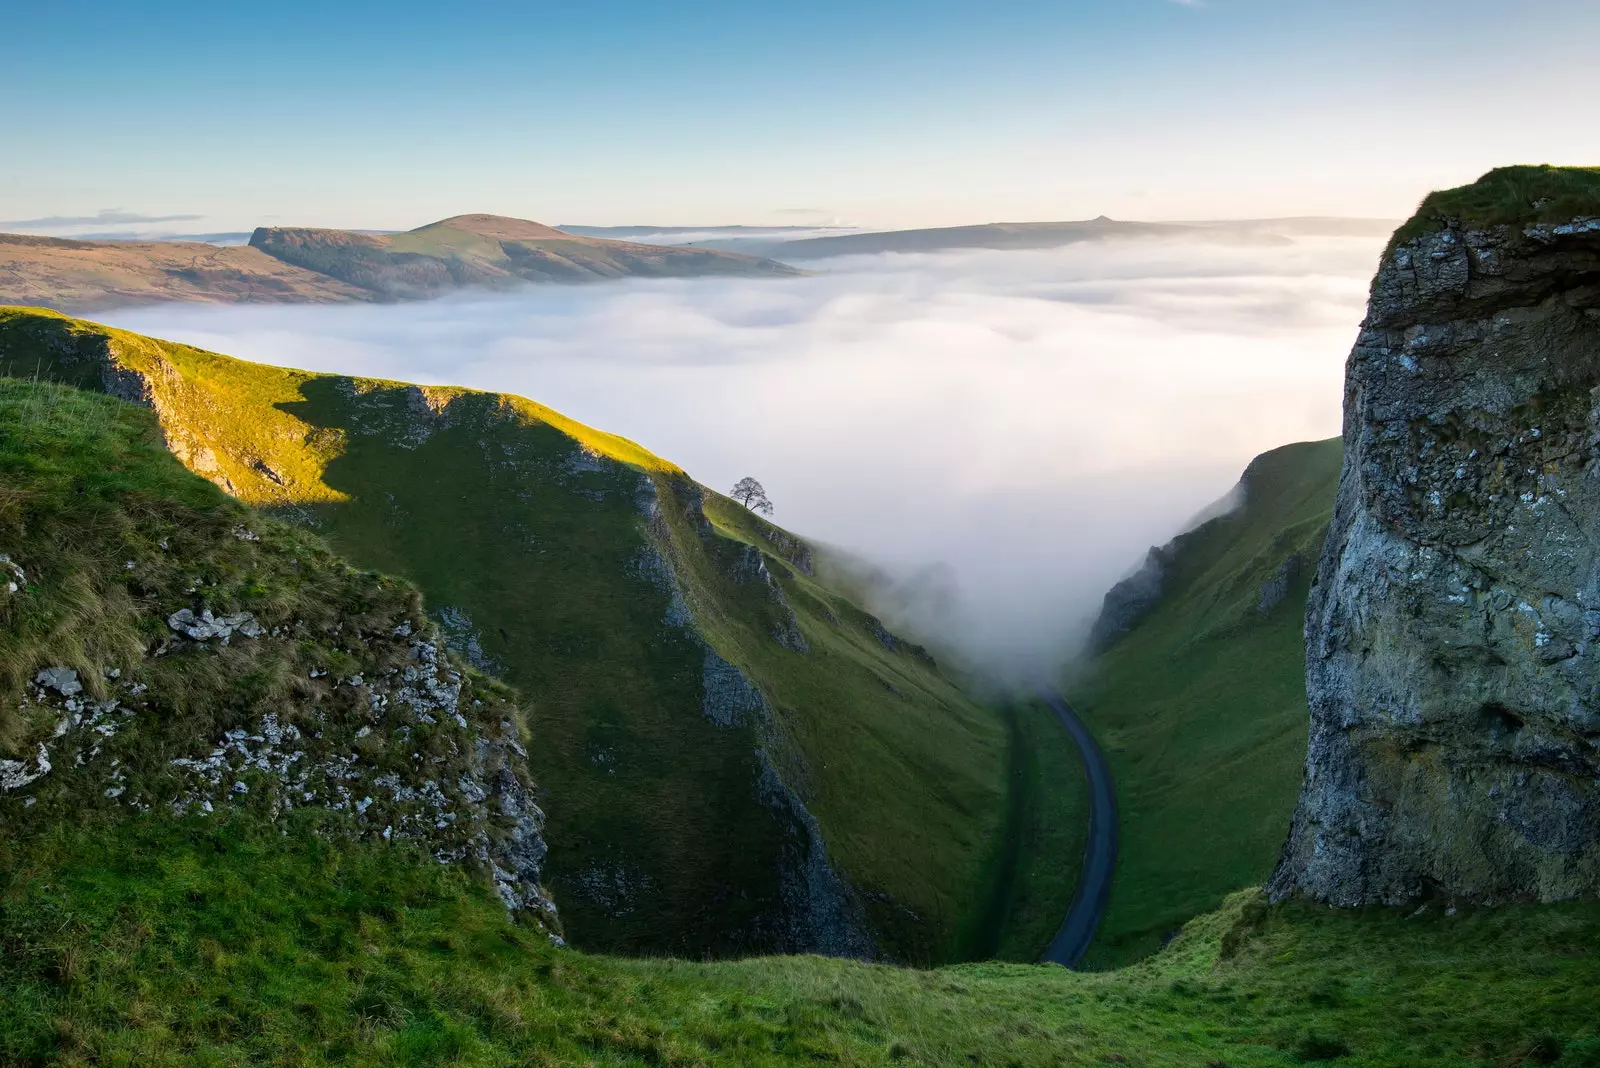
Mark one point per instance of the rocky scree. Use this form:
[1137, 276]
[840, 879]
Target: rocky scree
[1453, 629]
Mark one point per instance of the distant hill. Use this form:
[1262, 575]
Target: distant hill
[488, 251]
[301, 265]
[737, 229]
[1040, 235]
[70, 274]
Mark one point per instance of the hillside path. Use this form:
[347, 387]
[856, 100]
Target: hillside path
[1100, 853]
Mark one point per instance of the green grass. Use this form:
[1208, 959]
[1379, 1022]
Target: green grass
[1041, 850]
[1508, 196]
[158, 942]
[659, 839]
[1201, 708]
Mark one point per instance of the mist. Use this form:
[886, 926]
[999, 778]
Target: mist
[1003, 433]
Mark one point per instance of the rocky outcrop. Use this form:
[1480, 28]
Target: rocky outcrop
[404, 750]
[1129, 601]
[1453, 631]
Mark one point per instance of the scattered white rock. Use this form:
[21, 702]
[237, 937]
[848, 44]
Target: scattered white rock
[63, 680]
[206, 626]
[14, 774]
[12, 577]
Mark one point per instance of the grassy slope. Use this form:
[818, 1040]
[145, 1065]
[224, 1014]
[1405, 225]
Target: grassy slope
[166, 943]
[1201, 707]
[453, 253]
[1507, 196]
[658, 839]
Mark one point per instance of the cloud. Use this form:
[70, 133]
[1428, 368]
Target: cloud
[1017, 425]
[105, 217]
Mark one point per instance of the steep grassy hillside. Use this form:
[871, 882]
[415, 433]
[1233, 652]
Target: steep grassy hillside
[1200, 702]
[83, 275]
[706, 715]
[164, 649]
[488, 250]
[206, 943]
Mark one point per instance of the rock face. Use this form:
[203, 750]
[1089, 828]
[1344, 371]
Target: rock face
[1453, 633]
[1129, 600]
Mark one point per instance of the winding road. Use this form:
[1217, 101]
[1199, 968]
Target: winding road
[1099, 854]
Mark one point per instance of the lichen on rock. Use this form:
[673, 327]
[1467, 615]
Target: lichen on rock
[1453, 629]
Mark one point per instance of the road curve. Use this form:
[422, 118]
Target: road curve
[1099, 855]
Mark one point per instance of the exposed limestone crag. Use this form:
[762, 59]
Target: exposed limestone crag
[1453, 632]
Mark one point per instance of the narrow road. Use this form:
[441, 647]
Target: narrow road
[1099, 854]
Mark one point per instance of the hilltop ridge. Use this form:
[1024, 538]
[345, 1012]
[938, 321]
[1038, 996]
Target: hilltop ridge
[302, 264]
[488, 251]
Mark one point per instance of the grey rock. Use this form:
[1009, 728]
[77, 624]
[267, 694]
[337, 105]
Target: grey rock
[15, 774]
[12, 577]
[789, 635]
[822, 912]
[206, 626]
[1451, 670]
[63, 680]
[728, 695]
[1126, 603]
[1275, 589]
[464, 639]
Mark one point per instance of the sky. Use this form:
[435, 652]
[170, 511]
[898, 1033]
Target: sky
[203, 117]
[1003, 433]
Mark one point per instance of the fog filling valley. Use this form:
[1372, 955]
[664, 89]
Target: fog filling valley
[1003, 433]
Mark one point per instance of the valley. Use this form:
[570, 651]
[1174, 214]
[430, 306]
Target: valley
[345, 720]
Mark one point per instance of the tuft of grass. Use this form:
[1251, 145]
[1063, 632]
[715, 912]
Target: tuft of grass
[1201, 707]
[1508, 196]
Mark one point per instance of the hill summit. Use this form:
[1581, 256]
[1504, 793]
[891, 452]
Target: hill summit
[499, 227]
[488, 251]
[284, 265]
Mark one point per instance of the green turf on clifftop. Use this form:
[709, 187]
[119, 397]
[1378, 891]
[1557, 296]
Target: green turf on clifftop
[1508, 196]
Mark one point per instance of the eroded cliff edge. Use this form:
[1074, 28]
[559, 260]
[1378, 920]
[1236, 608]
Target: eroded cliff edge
[1453, 632]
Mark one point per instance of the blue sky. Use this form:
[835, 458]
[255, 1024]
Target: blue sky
[873, 113]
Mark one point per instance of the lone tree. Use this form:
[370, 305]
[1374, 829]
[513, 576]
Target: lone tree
[748, 492]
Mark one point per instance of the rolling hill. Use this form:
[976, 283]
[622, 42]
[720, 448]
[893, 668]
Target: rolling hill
[735, 758]
[70, 274]
[489, 251]
[289, 265]
[1015, 236]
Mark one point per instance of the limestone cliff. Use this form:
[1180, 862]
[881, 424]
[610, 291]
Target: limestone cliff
[1453, 631]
